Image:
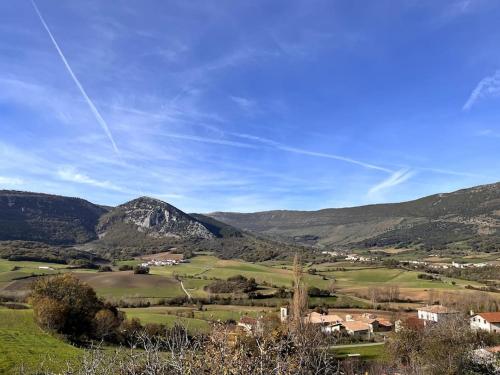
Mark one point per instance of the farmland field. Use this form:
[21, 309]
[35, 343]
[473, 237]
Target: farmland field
[21, 340]
[387, 276]
[193, 319]
[348, 279]
[366, 351]
[211, 267]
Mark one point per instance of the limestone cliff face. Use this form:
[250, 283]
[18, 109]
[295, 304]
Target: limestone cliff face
[155, 218]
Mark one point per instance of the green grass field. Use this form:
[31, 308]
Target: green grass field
[160, 316]
[193, 319]
[355, 279]
[364, 351]
[24, 269]
[22, 342]
[387, 276]
[211, 267]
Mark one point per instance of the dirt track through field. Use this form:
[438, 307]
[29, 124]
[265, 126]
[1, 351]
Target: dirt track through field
[185, 291]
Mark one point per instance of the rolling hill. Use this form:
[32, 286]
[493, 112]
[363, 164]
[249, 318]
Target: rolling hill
[50, 219]
[468, 217]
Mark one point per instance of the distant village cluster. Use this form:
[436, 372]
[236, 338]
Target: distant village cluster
[163, 263]
[417, 263]
[349, 257]
[446, 266]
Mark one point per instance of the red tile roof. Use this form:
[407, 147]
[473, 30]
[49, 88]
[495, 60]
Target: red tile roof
[384, 322]
[248, 320]
[316, 318]
[414, 323]
[493, 349]
[492, 317]
[356, 326]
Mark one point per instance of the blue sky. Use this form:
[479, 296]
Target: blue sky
[249, 105]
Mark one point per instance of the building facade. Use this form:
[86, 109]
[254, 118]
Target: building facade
[488, 321]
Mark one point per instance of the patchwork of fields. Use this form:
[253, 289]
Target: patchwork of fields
[21, 341]
[163, 282]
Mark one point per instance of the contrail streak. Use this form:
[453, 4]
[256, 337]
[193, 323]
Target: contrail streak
[295, 150]
[93, 108]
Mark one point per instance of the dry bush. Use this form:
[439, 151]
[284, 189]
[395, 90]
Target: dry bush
[444, 348]
[275, 350]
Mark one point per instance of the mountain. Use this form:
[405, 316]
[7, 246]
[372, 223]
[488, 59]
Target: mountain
[468, 217]
[152, 218]
[147, 225]
[220, 229]
[35, 226]
[51, 219]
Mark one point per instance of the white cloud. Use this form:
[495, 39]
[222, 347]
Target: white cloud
[209, 140]
[489, 133]
[488, 86]
[247, 105]
[71, 175]
[10, 181]
[394, 179]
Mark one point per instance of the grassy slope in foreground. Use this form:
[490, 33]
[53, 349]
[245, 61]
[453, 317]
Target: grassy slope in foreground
[23, 342]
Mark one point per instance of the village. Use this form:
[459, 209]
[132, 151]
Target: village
[357, 258]
[368, 327]
[163, 263]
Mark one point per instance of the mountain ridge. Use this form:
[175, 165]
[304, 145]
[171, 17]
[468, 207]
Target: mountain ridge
[466, 217]
[475, 212]
[47, 218]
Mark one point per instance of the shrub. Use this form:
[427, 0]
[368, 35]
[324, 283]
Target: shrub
[125, 267]
[104, 269]
[141, 270]
[233, 284]
[65, 305]
[316, 292]
[106, 322]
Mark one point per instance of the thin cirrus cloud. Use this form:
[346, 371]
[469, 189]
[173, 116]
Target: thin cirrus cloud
[277, 146]
[301, 151]
[208, 140]
[488, 86]
[89, 101]
[72, 175]
[4, 180]
[394, 179]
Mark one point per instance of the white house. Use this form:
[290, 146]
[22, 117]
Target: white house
[284, 314]
[328, 323]
[435, 313]
[487, 321]
[317, 318]
[358, 329]
[250, 325]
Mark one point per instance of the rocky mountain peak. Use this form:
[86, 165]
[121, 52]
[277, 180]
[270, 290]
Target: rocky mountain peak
[155, 218]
